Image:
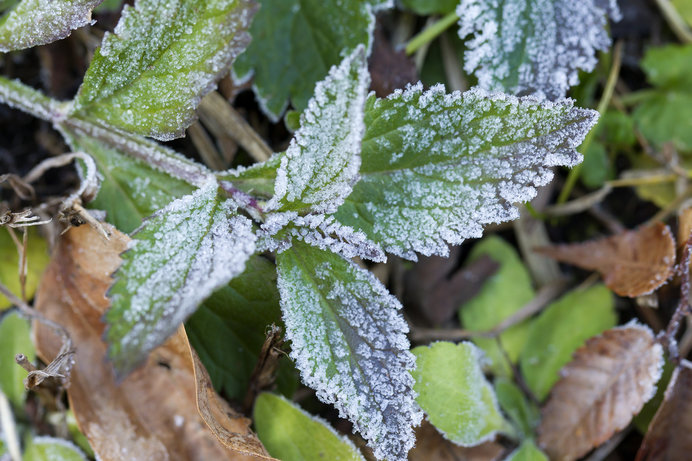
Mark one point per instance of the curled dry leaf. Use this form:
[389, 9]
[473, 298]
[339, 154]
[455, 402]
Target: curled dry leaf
[606, 383]
[669, 438]
[151, 415]
[432, 446]
[632, 263]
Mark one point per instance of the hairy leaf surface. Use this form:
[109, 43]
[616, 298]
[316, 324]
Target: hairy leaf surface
[606, 383]
[163, 56]
[349, 343]
[51, 448]
[295, 42]
[178, 258]
[291, 434]
[455, 395]
[533, 46]
[37, 22]
[436, 167]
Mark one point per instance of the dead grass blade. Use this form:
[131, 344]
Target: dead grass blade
[601, 389]
[151, 415]
[670, 433]
[632, 263]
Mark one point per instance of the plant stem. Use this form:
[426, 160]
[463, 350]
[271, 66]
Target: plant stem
[678, 25]
[602, 107]
[19, 96]
[430, 33]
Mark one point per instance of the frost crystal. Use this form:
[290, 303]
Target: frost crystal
[324, 232]
[533, 46]
[178, 258]
[436, 167]
[163, 56]
[37, 22]
[349, 343]
[320, 166]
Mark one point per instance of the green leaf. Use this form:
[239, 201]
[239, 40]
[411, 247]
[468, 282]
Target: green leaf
[14, 339]
[228, 329]
[514, 403]
[37, 259]
[179, 257]
[321, 164]
[502, 294]
[684, 7]
[528, 451]
[535, 46]
[131, 189]
[52, 449]
[560, 330]
[291, 434]
[349, 343]
[596, 169]
[149, 75]
[295, 42]
[429, 7]
[665, 113]
[436, 167]
[455, 395]
[37, 22]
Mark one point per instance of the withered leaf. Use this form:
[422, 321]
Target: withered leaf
[601, 389]
[432, 446]
[632, 263]
[670, 433]
[151, 415]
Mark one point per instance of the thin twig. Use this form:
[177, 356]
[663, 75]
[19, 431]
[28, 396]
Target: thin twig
[205, 146]
[544, 296]
[677, 24]
[667, 338]
[578, 205]
[220, 117]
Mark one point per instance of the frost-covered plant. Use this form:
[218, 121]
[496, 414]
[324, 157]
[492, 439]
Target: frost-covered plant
[362, 177]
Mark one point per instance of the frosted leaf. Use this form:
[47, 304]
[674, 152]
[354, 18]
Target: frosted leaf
[37, 22]
[177, 259]
[533, 46]
[321, 164]
[149, 75]
[437, 167]
[280, 229]
[349, 342]
[295, 42]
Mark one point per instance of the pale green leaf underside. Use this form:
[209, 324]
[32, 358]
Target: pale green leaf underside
[37, 22]
[533, 46]
[295, 42]
[348, 340]
[14, 339]
[163, 56]
[321, 164]
[52, 449]
[130, 189]
[436, 167]
[528, 451]
[560, 330]
[291, 434]
[454, 394]
[502, 294]
[178, 257]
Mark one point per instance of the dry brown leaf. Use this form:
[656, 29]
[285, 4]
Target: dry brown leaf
[670, 433]
[151, 415]
[632, 263]
[601, 389]
[431, 446]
